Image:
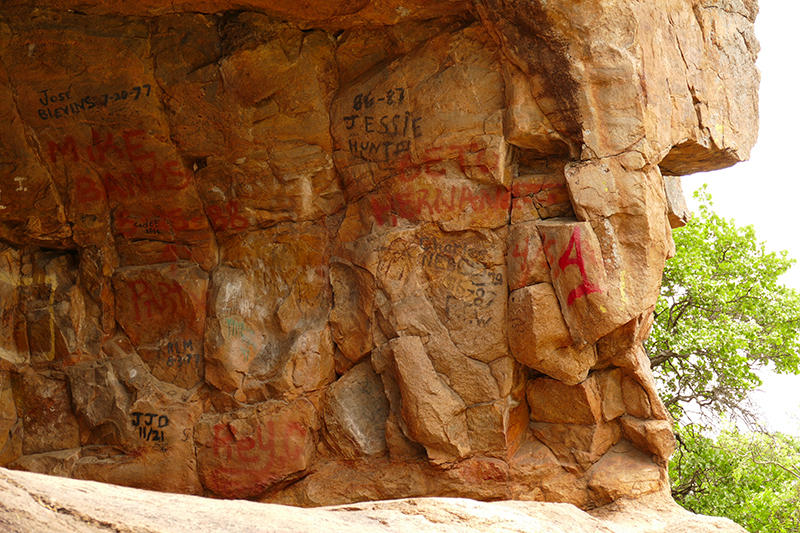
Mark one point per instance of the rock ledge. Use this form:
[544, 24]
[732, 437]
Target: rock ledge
[34, 502]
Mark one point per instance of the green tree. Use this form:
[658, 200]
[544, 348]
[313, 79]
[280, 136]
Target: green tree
[722, 316]
[752, 478]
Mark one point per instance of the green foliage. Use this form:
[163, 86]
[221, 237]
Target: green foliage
[751, 478]
[722, 316]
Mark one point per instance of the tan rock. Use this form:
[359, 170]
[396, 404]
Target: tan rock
[479, 478]
[88, 504]
[232, 341]
[10, 425]
[539, 189]
[506, 373]
[579, 279]
[13, 337]
[399, 445]
[466, 283]
[653, 436]
[525, 125]
[311, 360]
[635, 398]
[433, 413]
[616, 347]
[630, 222]
[438, 193]
[624, 471]
[539, 337]
[147, 424]
[636, 363]
[539, 475]
[32, 209]
[554, 402]
[677, 211]
[609, 383]
[419, 111]
[261, 322]
[163, 310]
[594, 88]
[526, 261]
[59, 463]
[355, 409]
[495, 426]
[60, 317]
[577, 447]
[353, 299]
[224, 210]
[372, 478]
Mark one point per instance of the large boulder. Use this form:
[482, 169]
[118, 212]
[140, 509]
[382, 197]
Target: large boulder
[33, 502]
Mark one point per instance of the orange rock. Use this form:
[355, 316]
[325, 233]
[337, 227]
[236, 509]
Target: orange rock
[633, 258]
[539, 190]
[147, 423]
[242, 453]
[653, 436]
[554, 402]
[162, 309]
[609, 382]
[351, 320]
[433, 413]
[624, 470]
[526, 261]
[580, 280]
[45, 411]
[10, 426]
[577, 446]
[218, 219]
[539, 338]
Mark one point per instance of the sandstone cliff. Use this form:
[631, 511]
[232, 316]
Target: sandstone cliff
[328, 252]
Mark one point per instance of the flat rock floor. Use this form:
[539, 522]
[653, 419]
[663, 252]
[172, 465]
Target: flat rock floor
[35, 503]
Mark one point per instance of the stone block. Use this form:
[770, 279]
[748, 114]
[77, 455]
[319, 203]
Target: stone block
[624, 470]
[243, 453]
[432, 411]
[527, 264]
[46, 411]
[351, 319]
[650, 436]
[579, 278]
[162, 310]
[577, 446]
[355, 409]
[10, 425]
[539, 337]
[554, 402]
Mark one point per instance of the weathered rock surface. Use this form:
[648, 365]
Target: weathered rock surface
[333, 251]
[32, 503]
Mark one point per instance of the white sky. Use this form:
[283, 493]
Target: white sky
[765, 191]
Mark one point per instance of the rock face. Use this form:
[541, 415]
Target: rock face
[339, 251]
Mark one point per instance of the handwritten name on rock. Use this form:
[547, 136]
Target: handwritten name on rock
[57, 105]
[150, 426]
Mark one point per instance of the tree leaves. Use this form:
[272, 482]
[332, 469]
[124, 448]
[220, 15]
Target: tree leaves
[722, 316]
[752, 478]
